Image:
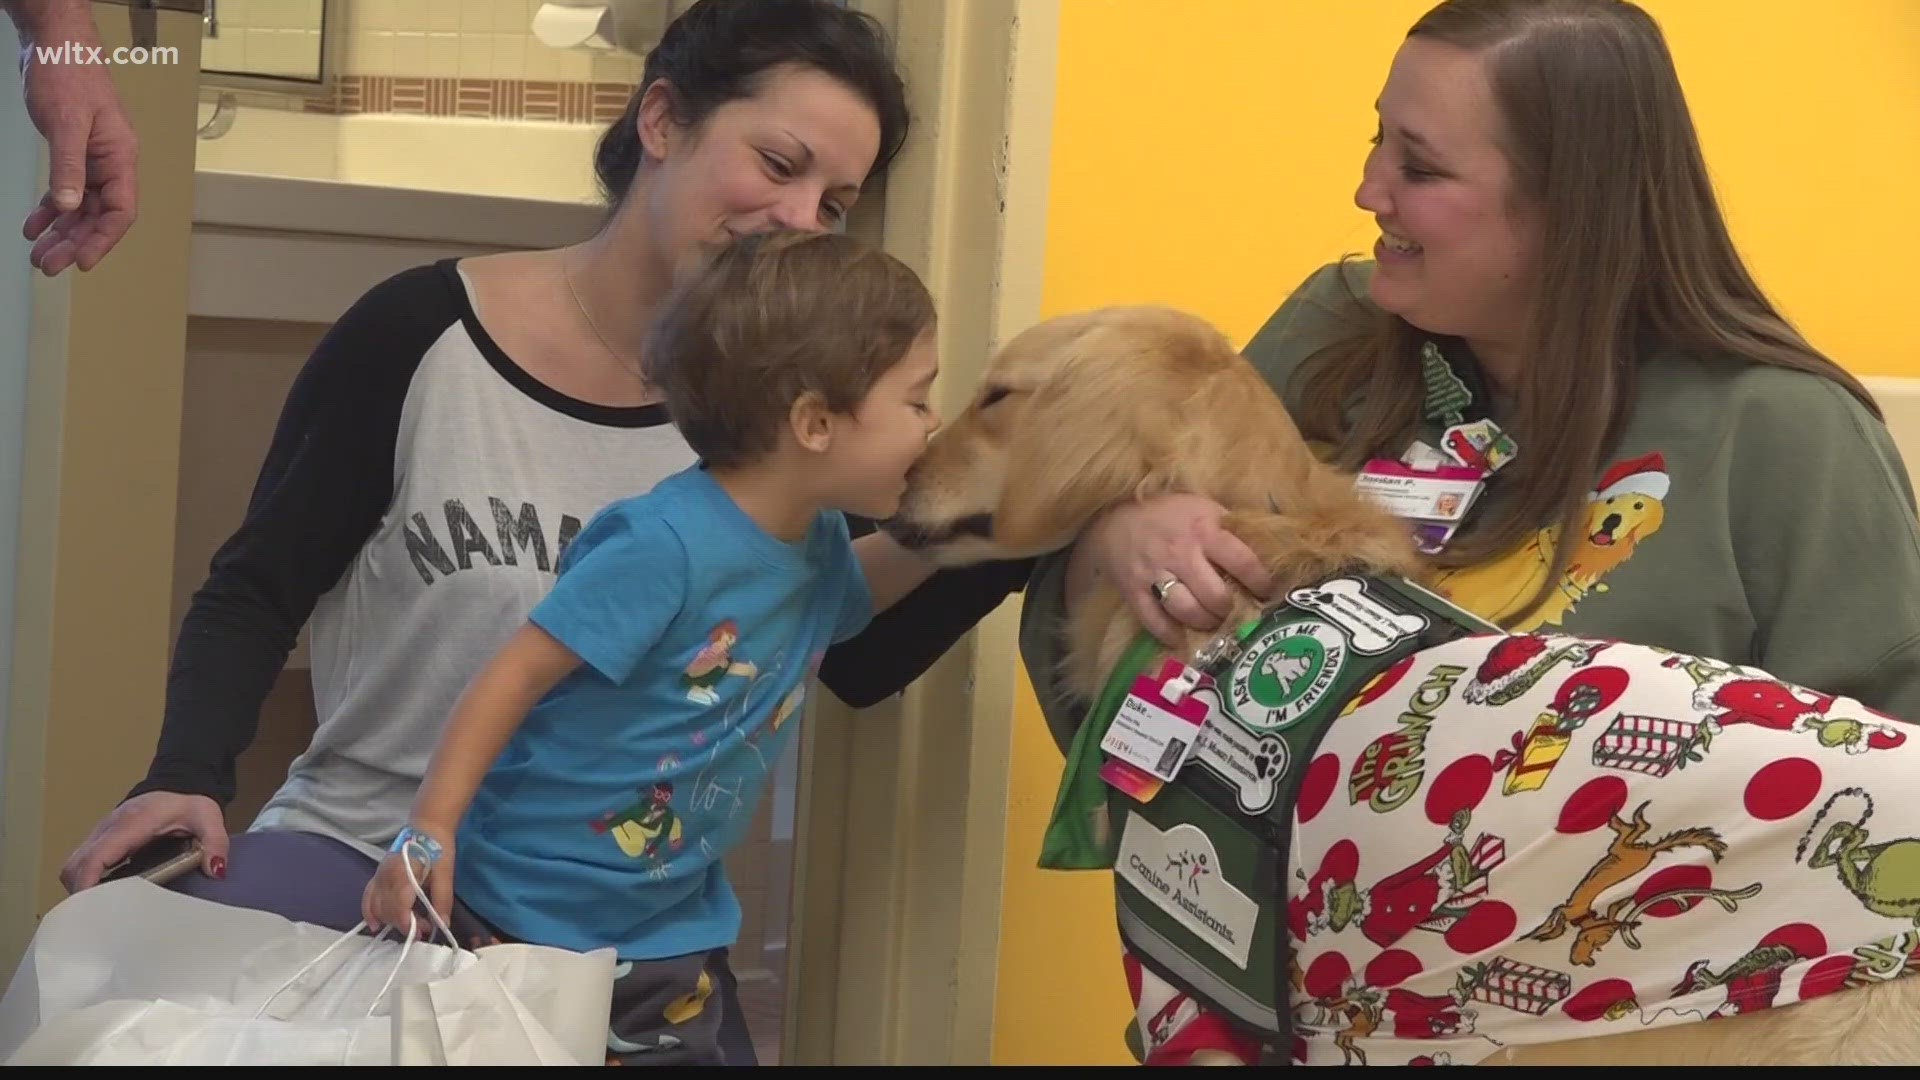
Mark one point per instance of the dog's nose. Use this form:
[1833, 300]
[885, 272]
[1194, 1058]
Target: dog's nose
[905, 533]
[980, 525]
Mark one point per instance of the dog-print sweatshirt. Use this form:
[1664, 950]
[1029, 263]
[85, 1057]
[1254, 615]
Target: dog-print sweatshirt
[1750, 514]
[417, 498]
[1590, 838]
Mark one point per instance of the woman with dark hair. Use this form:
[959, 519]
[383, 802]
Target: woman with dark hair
[454, 430]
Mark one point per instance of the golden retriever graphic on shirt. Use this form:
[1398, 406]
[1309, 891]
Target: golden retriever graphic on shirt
[1624, 509]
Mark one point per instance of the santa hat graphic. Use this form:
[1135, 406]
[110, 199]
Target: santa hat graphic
[1646, 475]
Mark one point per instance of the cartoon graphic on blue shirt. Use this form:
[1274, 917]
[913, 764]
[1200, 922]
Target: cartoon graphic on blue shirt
[605, 819]
[714, 663]
[645, 827]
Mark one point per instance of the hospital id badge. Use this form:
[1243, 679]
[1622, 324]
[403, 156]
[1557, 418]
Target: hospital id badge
[1154, 732]
[1442, 495]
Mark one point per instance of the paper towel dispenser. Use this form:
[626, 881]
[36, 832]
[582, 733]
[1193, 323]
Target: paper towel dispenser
[602, 25]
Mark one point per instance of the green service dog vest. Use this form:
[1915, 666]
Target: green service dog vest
[1200, 866]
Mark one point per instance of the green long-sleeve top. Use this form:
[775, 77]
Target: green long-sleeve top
[1750, 514]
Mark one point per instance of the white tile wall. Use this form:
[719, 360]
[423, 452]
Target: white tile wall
[471, 39]
[468, 39]
[267, 37]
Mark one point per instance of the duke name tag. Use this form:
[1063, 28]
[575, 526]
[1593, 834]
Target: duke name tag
[1154, 731]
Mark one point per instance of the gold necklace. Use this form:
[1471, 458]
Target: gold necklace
[566, 275]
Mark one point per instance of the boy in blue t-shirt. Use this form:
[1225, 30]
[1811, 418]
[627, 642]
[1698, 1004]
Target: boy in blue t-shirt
[599, 768]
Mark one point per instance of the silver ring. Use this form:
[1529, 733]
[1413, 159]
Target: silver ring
[1162, 588]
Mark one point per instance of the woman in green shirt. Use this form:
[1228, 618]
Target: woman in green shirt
[1691, 472]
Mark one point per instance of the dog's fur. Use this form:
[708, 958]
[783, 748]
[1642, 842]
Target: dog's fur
[1094, 409]
[1086, 411]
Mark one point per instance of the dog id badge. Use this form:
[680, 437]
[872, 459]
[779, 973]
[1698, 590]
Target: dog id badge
[1154, 732]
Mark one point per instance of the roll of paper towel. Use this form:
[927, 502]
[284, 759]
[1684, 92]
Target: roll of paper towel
[573, 26]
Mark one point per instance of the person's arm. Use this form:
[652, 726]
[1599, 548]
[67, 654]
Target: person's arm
[32, 15]
[325, 483]
[891, 570]
[1825, 536]
[92, 150]
[622, 582]
[907, 636]
[491, 709]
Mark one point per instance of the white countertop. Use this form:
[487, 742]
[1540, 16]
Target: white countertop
[303, 249]
[233, 200]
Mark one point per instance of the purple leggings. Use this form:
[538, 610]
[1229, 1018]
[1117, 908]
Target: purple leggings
[300, 876]
[316, 879]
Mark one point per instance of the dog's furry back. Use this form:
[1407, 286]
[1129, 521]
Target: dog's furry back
[1187, 413]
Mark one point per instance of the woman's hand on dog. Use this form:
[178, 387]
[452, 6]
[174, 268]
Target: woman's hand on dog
[1138, 544]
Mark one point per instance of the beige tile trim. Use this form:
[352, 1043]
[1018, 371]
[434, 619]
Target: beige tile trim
[483, 99]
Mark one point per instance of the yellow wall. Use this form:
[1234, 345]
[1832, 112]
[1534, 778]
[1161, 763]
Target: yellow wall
[1210, 163]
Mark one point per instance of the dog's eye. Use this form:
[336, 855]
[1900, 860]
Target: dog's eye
[992, 395]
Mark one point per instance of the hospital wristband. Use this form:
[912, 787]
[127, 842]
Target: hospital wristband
[426, 847]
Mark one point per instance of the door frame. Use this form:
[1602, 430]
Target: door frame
[901, 831]
[93, 568]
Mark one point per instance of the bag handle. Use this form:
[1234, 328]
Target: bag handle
[366, 951]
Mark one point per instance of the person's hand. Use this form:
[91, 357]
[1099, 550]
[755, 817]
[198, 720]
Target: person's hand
[1174, 538]
[91, 148]
[390, 899]
[144, 818]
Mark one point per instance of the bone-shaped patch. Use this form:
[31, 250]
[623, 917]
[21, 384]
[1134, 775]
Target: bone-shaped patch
[1372, 626]
[1252, 764]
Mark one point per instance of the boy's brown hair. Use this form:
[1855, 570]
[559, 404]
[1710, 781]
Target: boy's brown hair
[773, 316]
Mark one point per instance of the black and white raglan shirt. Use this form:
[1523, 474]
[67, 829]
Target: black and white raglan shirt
[411, 510]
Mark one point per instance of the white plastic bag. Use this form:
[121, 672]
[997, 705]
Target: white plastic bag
[133, 973]
[471, 1018]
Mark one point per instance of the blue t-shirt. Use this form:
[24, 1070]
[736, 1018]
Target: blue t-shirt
[607, 814]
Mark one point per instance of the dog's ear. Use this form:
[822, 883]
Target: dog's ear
[1084, 441]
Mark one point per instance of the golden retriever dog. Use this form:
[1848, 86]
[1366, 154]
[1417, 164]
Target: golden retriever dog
[1700, 864]
[1091, 409]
